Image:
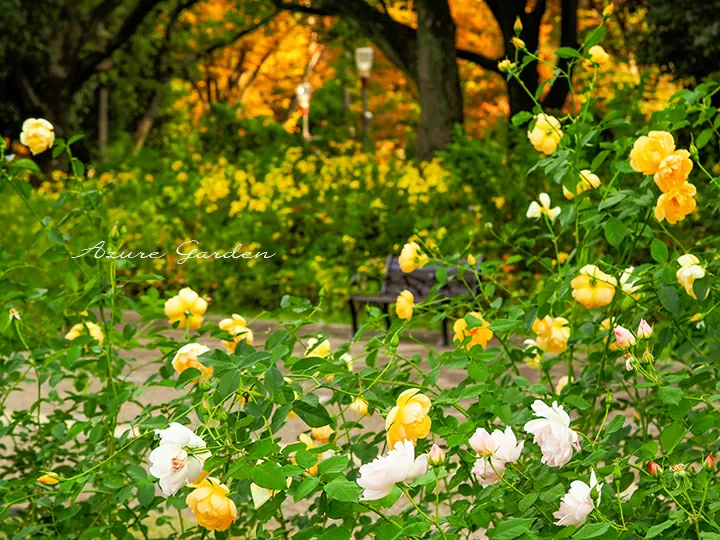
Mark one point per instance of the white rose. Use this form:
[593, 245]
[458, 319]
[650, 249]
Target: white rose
[37, 134]
[553, 434]
[498, 449]
[577, 503]
[379, 476]
[179, 459]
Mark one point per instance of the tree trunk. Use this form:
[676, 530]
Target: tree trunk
[438, 79]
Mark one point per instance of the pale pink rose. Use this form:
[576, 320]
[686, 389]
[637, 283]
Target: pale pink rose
[644, 331]
[577, 503]
[624, 337]
[379, 476]
[553, 434]
[488, 473]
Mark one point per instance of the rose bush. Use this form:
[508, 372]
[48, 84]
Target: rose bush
[603, 426]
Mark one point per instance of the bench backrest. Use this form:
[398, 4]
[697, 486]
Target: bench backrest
[421, 281]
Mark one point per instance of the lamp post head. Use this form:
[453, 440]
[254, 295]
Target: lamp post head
[303, 92]
[364, 61]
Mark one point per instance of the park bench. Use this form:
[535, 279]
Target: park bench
[420, 283]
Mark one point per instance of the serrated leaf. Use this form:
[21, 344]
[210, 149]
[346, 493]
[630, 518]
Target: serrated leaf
[671, 436]
[615, 231]
[591, 530]
[335, 464]
[670, 300]
[306, 487]
[269, 476]
[342, 489]
[659, 251]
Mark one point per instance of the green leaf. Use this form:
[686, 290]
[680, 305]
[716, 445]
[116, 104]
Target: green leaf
[615, 231]
[270, 476]
[591, 530]
[335, 532]
[671, 436]
[306, 487]
[305, 458]
[335, 464]
[647, 451]
[188, 376]
[505, 325]
[146, 494]
[659, 251]
[342, 489]
[25, 164]
[615, 424]
[312, 415]
[521, 117]
[670, 395]
[709, 536]
[670, 300]
[567, 52]
[655, 530]
[509, 529]
[704, 138]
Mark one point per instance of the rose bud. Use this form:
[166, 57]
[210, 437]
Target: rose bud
[709, 462]
[654, 469]
[644, 331]
[436, 456]
[624, 337]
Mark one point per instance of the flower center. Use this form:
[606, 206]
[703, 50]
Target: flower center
[178, 463]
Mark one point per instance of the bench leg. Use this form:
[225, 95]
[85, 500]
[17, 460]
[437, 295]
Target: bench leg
[446, 338]
[353, 316]
[388, 322]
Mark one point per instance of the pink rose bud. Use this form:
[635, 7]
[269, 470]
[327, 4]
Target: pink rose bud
[436, 456]
[644, 331]
[709, 462]
[624, 337]
[654, 469]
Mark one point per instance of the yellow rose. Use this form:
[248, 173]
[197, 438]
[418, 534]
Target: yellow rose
[313, 349]
[359, 406]
[404, 305]
[187, 308]
[673, 170]
[49, 479]
[552, 334]
[187, 357]
[676, 204]
[598, 57]
[411, 258]
[409, 419]
[506, 65]
[37, 134]
[518, 43]
[649, 151]
[689, 271]
[322, 434]
[236, 327]
[213, 509]
[593, 288]
[480, 335]
[86, 328]
[546, 134]
[587, 181]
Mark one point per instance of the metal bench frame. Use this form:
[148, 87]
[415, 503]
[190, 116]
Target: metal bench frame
[420, 283]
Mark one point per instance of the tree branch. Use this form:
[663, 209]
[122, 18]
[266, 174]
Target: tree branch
[227, 42]
[479, 59]
[86, 66]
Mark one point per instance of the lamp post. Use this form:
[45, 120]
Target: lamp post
[303, 92]
[364, 62]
